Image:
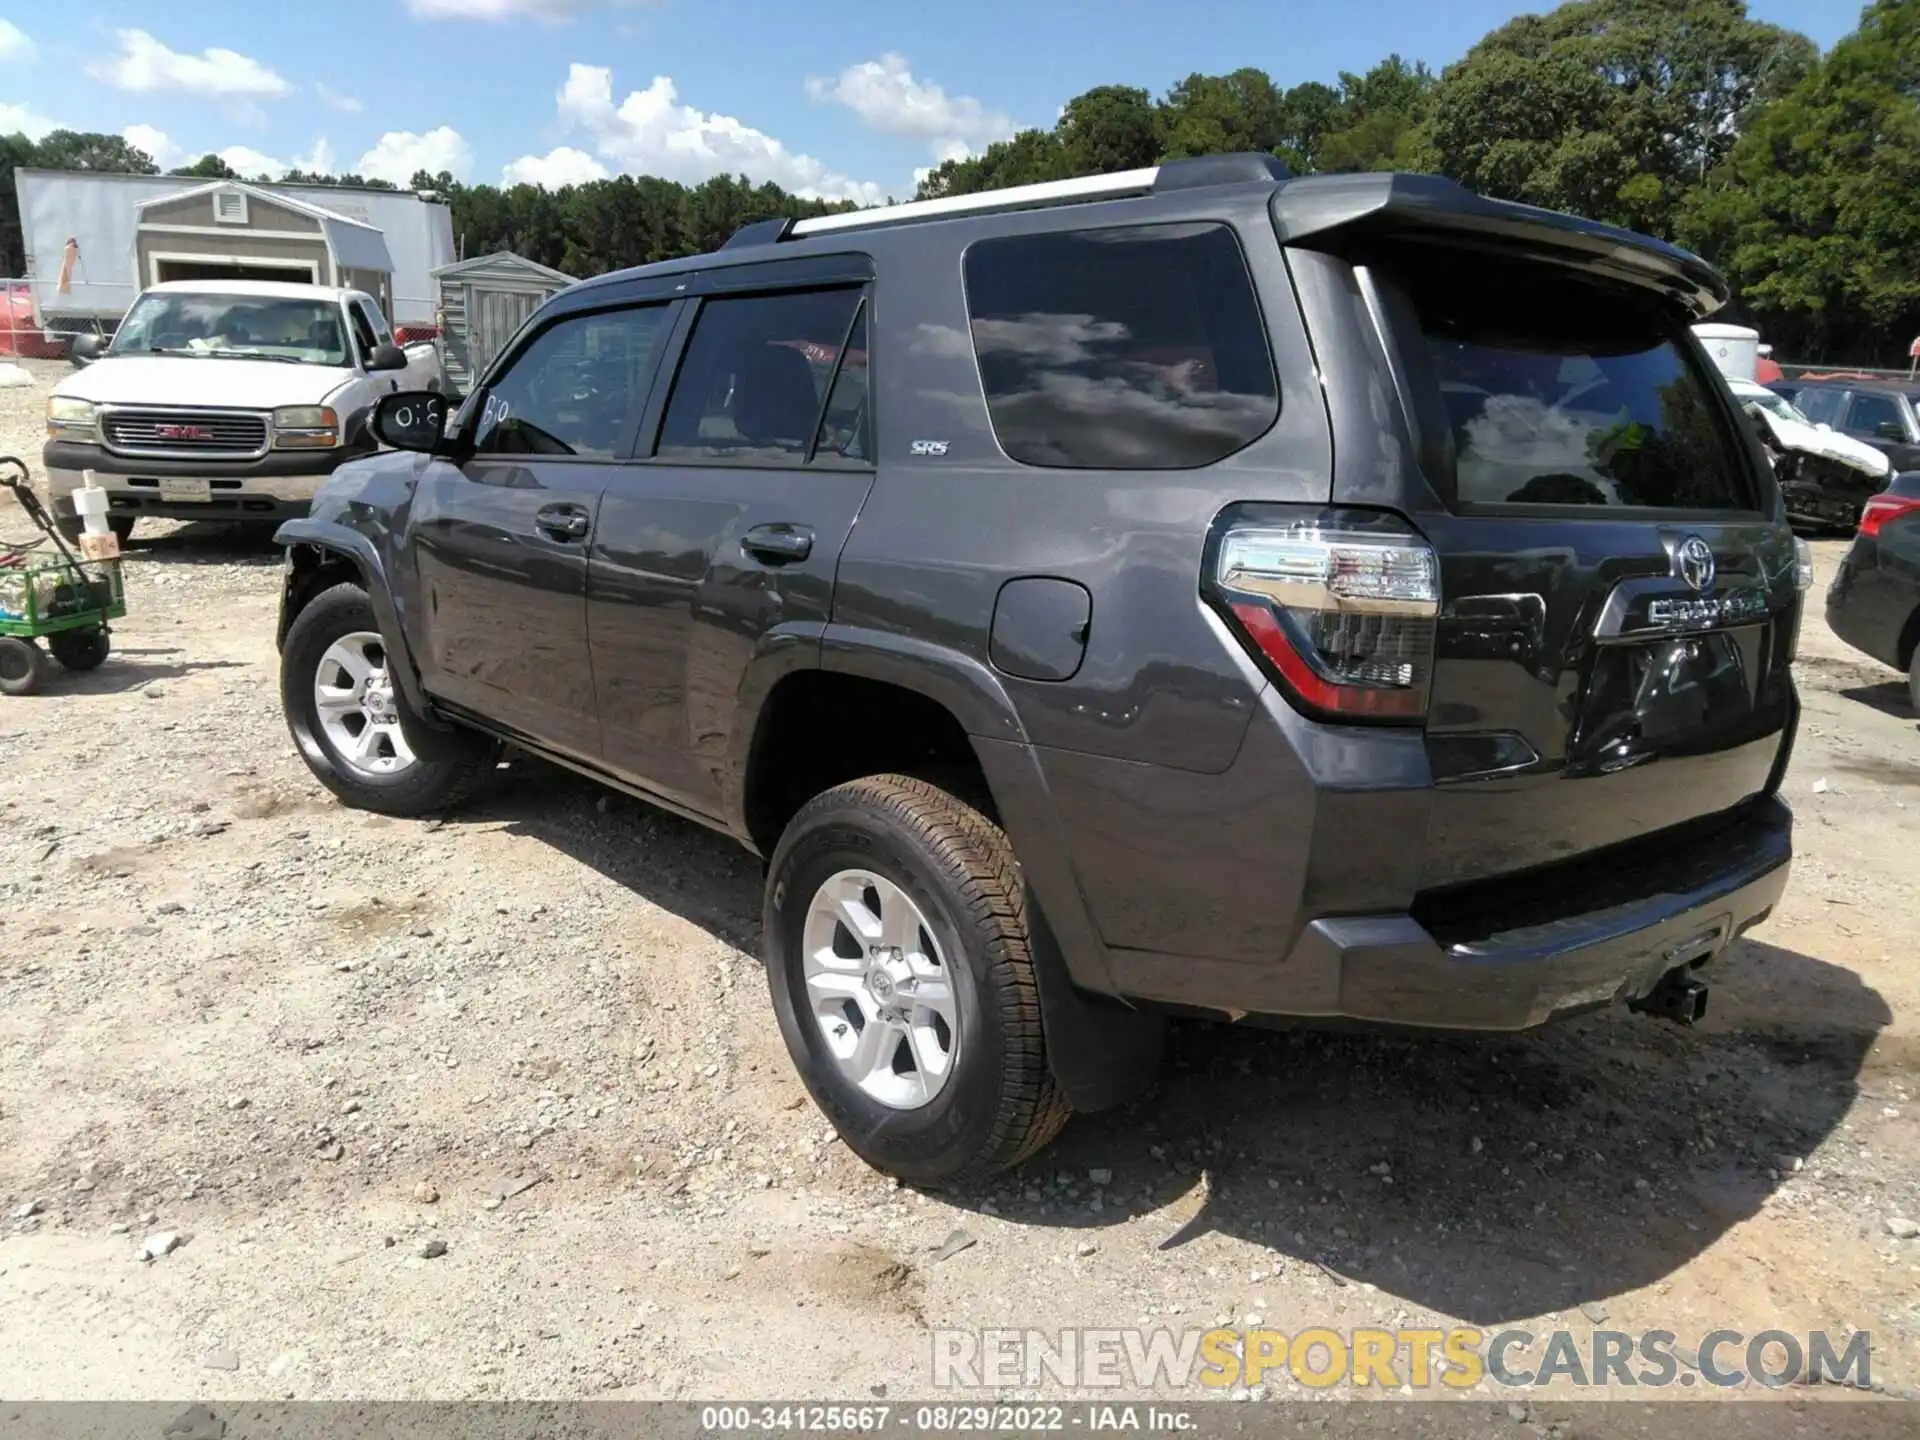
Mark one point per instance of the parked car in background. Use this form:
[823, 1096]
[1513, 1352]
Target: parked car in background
[1824, 476]
[225, 400]
[1874, 601]
[1157, 628]
[1879, 413]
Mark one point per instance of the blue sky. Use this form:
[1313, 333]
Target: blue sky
[834, 97]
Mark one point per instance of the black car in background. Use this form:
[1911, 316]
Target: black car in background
[1883, 413]
[1874, 601]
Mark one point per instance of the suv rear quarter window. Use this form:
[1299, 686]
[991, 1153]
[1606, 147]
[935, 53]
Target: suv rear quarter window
[1129, 348]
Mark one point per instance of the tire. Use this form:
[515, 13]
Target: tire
[81, 649]
[392, 779]
[997, 1103]
[122, 527]
[1913, 679]
[23, 669]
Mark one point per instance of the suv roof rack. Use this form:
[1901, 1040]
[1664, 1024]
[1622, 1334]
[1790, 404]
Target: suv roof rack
[1240, 169]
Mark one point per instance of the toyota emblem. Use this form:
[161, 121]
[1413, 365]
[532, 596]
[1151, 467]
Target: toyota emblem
[1693, 563]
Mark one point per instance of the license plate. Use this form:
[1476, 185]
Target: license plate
[172, 489]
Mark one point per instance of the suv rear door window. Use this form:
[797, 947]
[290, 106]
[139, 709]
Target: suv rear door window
[575, 388]
[1558, 390]
[1137, 348]
[754, 383]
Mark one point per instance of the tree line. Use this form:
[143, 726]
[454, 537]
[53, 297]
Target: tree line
[1792, 171]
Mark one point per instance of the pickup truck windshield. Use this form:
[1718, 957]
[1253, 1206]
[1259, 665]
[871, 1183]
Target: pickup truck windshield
[252, 327]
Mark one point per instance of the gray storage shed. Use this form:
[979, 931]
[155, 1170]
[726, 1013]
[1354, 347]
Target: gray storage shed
[482, 302]
[229, 230]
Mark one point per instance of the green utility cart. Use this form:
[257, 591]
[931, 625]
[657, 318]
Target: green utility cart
[49, 593]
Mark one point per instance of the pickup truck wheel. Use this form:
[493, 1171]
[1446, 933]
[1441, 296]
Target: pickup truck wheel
[902, 973]
[1913, 679]
[351, 721]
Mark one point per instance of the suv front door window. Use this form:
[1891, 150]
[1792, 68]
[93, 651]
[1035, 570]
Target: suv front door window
[500, 539]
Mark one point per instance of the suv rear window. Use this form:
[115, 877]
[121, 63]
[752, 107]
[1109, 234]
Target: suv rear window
[1558, 390]
[1138, 348]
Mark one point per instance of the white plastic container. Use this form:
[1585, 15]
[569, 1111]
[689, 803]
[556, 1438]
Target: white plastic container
[1734, 349]
[90, 504]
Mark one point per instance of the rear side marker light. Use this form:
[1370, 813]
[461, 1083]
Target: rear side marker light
[1341, 606]
[1882, 508]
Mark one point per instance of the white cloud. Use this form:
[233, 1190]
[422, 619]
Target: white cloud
[158, 144]
[25, 120]
[889, 97]
[557, 168]
[652, 133]
[14, 45]
[144, 63]
[399, 153]
[250, 163]
[550, 10]
[319, 159]
[346, 104]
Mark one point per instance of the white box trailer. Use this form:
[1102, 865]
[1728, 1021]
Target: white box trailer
[101, 214]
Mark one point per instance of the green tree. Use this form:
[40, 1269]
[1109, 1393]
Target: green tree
[1220, 114]
[78, 150]
[1813, 216]
[1111, 127]
[208, 167]
[1377, 123]
[1609, 108]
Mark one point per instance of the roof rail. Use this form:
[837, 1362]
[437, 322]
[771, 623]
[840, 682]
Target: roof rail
[1017, 197]
[1188, 174]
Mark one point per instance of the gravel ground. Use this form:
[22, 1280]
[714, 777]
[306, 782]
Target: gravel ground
[496, 1107]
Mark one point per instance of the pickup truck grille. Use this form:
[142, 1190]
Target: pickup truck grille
[232, 433]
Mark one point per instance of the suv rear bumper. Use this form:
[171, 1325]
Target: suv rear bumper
[1447, 968]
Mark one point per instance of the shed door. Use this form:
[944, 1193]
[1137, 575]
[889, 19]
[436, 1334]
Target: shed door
[494, 316]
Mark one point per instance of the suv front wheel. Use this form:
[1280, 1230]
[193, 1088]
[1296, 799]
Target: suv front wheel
[351, 721]
[901, 965]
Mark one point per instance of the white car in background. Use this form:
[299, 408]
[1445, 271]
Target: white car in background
[1825, 477]
[226, 400]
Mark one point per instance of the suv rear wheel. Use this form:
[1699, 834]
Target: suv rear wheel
[901, 967]
[350, 720]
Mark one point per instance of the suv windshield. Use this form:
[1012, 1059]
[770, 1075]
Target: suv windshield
[253, 327]
[1561, 390]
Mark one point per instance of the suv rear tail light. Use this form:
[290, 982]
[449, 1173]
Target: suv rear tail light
[1882, 508]
[1341, 605]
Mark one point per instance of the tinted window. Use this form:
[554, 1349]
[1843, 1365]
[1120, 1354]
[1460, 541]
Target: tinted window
[754, 382]
[1137, 348]
[846, 424]
[1869, 412]
[1819, 406]
[1560, 391]
[575, 388]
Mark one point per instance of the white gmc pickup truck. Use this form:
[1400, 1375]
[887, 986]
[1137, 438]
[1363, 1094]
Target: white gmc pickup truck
[226, 400]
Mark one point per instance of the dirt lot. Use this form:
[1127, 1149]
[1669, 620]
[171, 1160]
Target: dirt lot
[308, 1041]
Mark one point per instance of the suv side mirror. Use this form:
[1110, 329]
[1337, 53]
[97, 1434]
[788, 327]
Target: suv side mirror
[1888, 430]
[411, 420]
[85, 349]
[387, 357]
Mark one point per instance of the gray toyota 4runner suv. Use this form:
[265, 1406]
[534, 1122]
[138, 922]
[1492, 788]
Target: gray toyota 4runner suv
[1193, 590]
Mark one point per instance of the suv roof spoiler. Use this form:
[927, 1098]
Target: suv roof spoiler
[1413, 205]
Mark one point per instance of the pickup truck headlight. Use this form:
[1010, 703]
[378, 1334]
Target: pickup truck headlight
[305, 427]
[70, 419]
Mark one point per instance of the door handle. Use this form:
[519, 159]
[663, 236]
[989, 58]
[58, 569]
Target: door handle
[778, 544]
[563, 522]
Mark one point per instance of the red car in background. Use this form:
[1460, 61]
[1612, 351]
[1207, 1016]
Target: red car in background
[20, 332]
